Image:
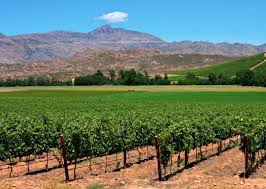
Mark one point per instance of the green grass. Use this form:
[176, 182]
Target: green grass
[228, 69]
[37, 101]
[261, 69]
[191, 97]
[175, 77]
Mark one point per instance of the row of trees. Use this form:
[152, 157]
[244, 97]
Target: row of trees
[131, 77]
[250, 78]
[212, 79]
[34, 81]
[123, 77]
[245, 78]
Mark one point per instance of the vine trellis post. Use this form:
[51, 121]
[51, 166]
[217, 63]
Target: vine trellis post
[246, 154]
[158, 155]
[63, 148]
[125, 158]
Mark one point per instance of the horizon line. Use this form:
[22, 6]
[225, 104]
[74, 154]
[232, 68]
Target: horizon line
[167, 41]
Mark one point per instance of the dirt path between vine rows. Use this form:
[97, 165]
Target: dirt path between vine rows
[216, 172]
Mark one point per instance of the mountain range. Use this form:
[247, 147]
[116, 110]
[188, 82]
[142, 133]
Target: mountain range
[55, 45]
[90, 60]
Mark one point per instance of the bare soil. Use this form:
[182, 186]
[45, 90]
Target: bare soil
[216, 172]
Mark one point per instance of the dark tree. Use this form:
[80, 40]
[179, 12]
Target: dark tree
[112, 76]
[121, 74]
[245, 78]
[146, 75]
[42, 81]
[260, 79]
[157, 77]
[165, 76]
[212, 78]
[191, 76]
[31, 81]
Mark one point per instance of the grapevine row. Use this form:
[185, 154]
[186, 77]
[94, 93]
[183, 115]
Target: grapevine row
[97, 134]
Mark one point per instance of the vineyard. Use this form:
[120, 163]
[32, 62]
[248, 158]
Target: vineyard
[105, 124]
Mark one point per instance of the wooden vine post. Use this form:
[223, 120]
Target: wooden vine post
[178, 159]
[62, 142]
[11, 166]
[220, 147]
[125, 159]
[47, 160]
[186, 157]
[245, 143]
[158, 155]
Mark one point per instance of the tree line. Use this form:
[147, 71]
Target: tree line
[132, 77]
[244, 78]
[123, 77]
[34, 81]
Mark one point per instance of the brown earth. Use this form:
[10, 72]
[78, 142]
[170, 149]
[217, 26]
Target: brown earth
[216, 172]
[89, 61]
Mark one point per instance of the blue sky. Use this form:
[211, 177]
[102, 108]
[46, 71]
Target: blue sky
[172, 20]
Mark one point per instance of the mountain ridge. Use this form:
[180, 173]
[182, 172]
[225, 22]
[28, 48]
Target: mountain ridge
[54, 45]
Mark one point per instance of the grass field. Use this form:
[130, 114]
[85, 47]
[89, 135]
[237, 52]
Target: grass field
[67, 99]
[228, 69]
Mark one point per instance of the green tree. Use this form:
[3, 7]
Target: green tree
[146, 74]
[165, 76]
[191, 76]
[157, 77]
[130, 77]
[42, 81]
[260, 79]
[96, 79]
[31, 81]
[212, 78]
[10, 82]
[2, 83]
[140, 79]
[112, 75]
[121, 74]
[245, 78]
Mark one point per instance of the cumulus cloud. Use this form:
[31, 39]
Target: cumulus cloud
[114, 17]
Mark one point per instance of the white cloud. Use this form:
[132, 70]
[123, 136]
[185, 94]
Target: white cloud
[114, 17]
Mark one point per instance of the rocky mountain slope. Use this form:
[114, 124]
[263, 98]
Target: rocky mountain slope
[89, 61]
[64, 44]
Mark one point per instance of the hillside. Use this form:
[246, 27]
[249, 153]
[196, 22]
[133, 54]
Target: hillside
[55, 45]
[228, 69]
[89, 61]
